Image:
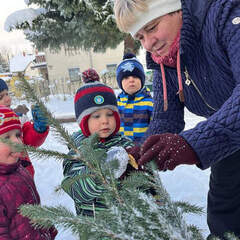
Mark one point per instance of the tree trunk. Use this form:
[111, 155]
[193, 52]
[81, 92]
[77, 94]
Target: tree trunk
[130, 45]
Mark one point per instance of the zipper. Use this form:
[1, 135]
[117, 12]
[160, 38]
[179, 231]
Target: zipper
[189, 81]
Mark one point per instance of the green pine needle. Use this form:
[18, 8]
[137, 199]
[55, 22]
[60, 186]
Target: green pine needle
[131, 213]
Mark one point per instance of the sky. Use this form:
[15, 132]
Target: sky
[14, 41]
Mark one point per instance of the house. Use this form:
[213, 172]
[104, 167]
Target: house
[30, 66]
[66, 65]
[41, 65]
[60, 72]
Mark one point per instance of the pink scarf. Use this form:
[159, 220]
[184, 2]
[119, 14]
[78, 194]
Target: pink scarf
[171, 60]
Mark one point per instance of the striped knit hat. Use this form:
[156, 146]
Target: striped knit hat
[91, 97]
[8, 120]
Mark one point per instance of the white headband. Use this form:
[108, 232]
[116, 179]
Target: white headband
[156, 8]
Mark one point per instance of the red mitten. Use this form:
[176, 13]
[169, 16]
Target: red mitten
[168, 150]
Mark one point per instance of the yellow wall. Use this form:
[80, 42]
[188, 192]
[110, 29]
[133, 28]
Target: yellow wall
[59, 62]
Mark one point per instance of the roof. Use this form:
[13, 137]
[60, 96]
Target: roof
[20, 63]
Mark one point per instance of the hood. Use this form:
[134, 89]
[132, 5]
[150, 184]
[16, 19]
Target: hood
[198, 11]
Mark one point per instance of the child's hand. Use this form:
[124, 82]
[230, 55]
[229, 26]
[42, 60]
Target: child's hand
[119, 154]
[21, 110]
[40, 122]
[134, 156]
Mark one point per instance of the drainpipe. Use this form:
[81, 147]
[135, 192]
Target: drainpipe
[90, 58]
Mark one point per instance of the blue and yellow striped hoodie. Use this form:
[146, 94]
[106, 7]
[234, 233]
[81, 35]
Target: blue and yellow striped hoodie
[135, 113]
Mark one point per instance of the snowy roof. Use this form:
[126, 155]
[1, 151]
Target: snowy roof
[5, 78]
[39, 65]
[19, 63]
[5, 74]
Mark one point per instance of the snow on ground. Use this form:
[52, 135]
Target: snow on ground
[187, 183]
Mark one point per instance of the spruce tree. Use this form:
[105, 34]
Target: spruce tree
[75, 24]
[130, 212]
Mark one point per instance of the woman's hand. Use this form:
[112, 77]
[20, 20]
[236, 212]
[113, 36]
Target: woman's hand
[168, 151]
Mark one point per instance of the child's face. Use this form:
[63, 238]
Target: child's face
[102, 122]
[7, 154]
[5, 99]
[131, 84]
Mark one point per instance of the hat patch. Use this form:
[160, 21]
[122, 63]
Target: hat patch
[128, 67]
[99, 99]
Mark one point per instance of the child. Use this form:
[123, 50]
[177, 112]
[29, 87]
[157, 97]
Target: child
[34, 133]
[135, 103]
[96, 112]
[16, 185]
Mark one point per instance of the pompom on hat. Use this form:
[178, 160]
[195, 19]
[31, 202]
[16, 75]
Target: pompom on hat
[130, 66]
[90, 75]
[8, 120]
[92, 97]
[156, 8]
[3, 85]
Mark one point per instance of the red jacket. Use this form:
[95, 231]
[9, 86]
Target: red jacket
[32, 138]
[16, 188]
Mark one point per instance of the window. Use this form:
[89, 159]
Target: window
[74, 74]
[111, 67]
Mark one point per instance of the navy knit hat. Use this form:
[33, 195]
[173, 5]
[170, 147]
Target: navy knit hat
[130, 66]
[91, 97]
[3, 85]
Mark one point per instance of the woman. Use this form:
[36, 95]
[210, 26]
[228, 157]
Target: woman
[194, 48]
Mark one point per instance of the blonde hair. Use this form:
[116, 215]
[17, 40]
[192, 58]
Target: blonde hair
[127, 11]
[132, 15]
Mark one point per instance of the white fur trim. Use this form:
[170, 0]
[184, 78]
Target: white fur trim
[156, 8]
